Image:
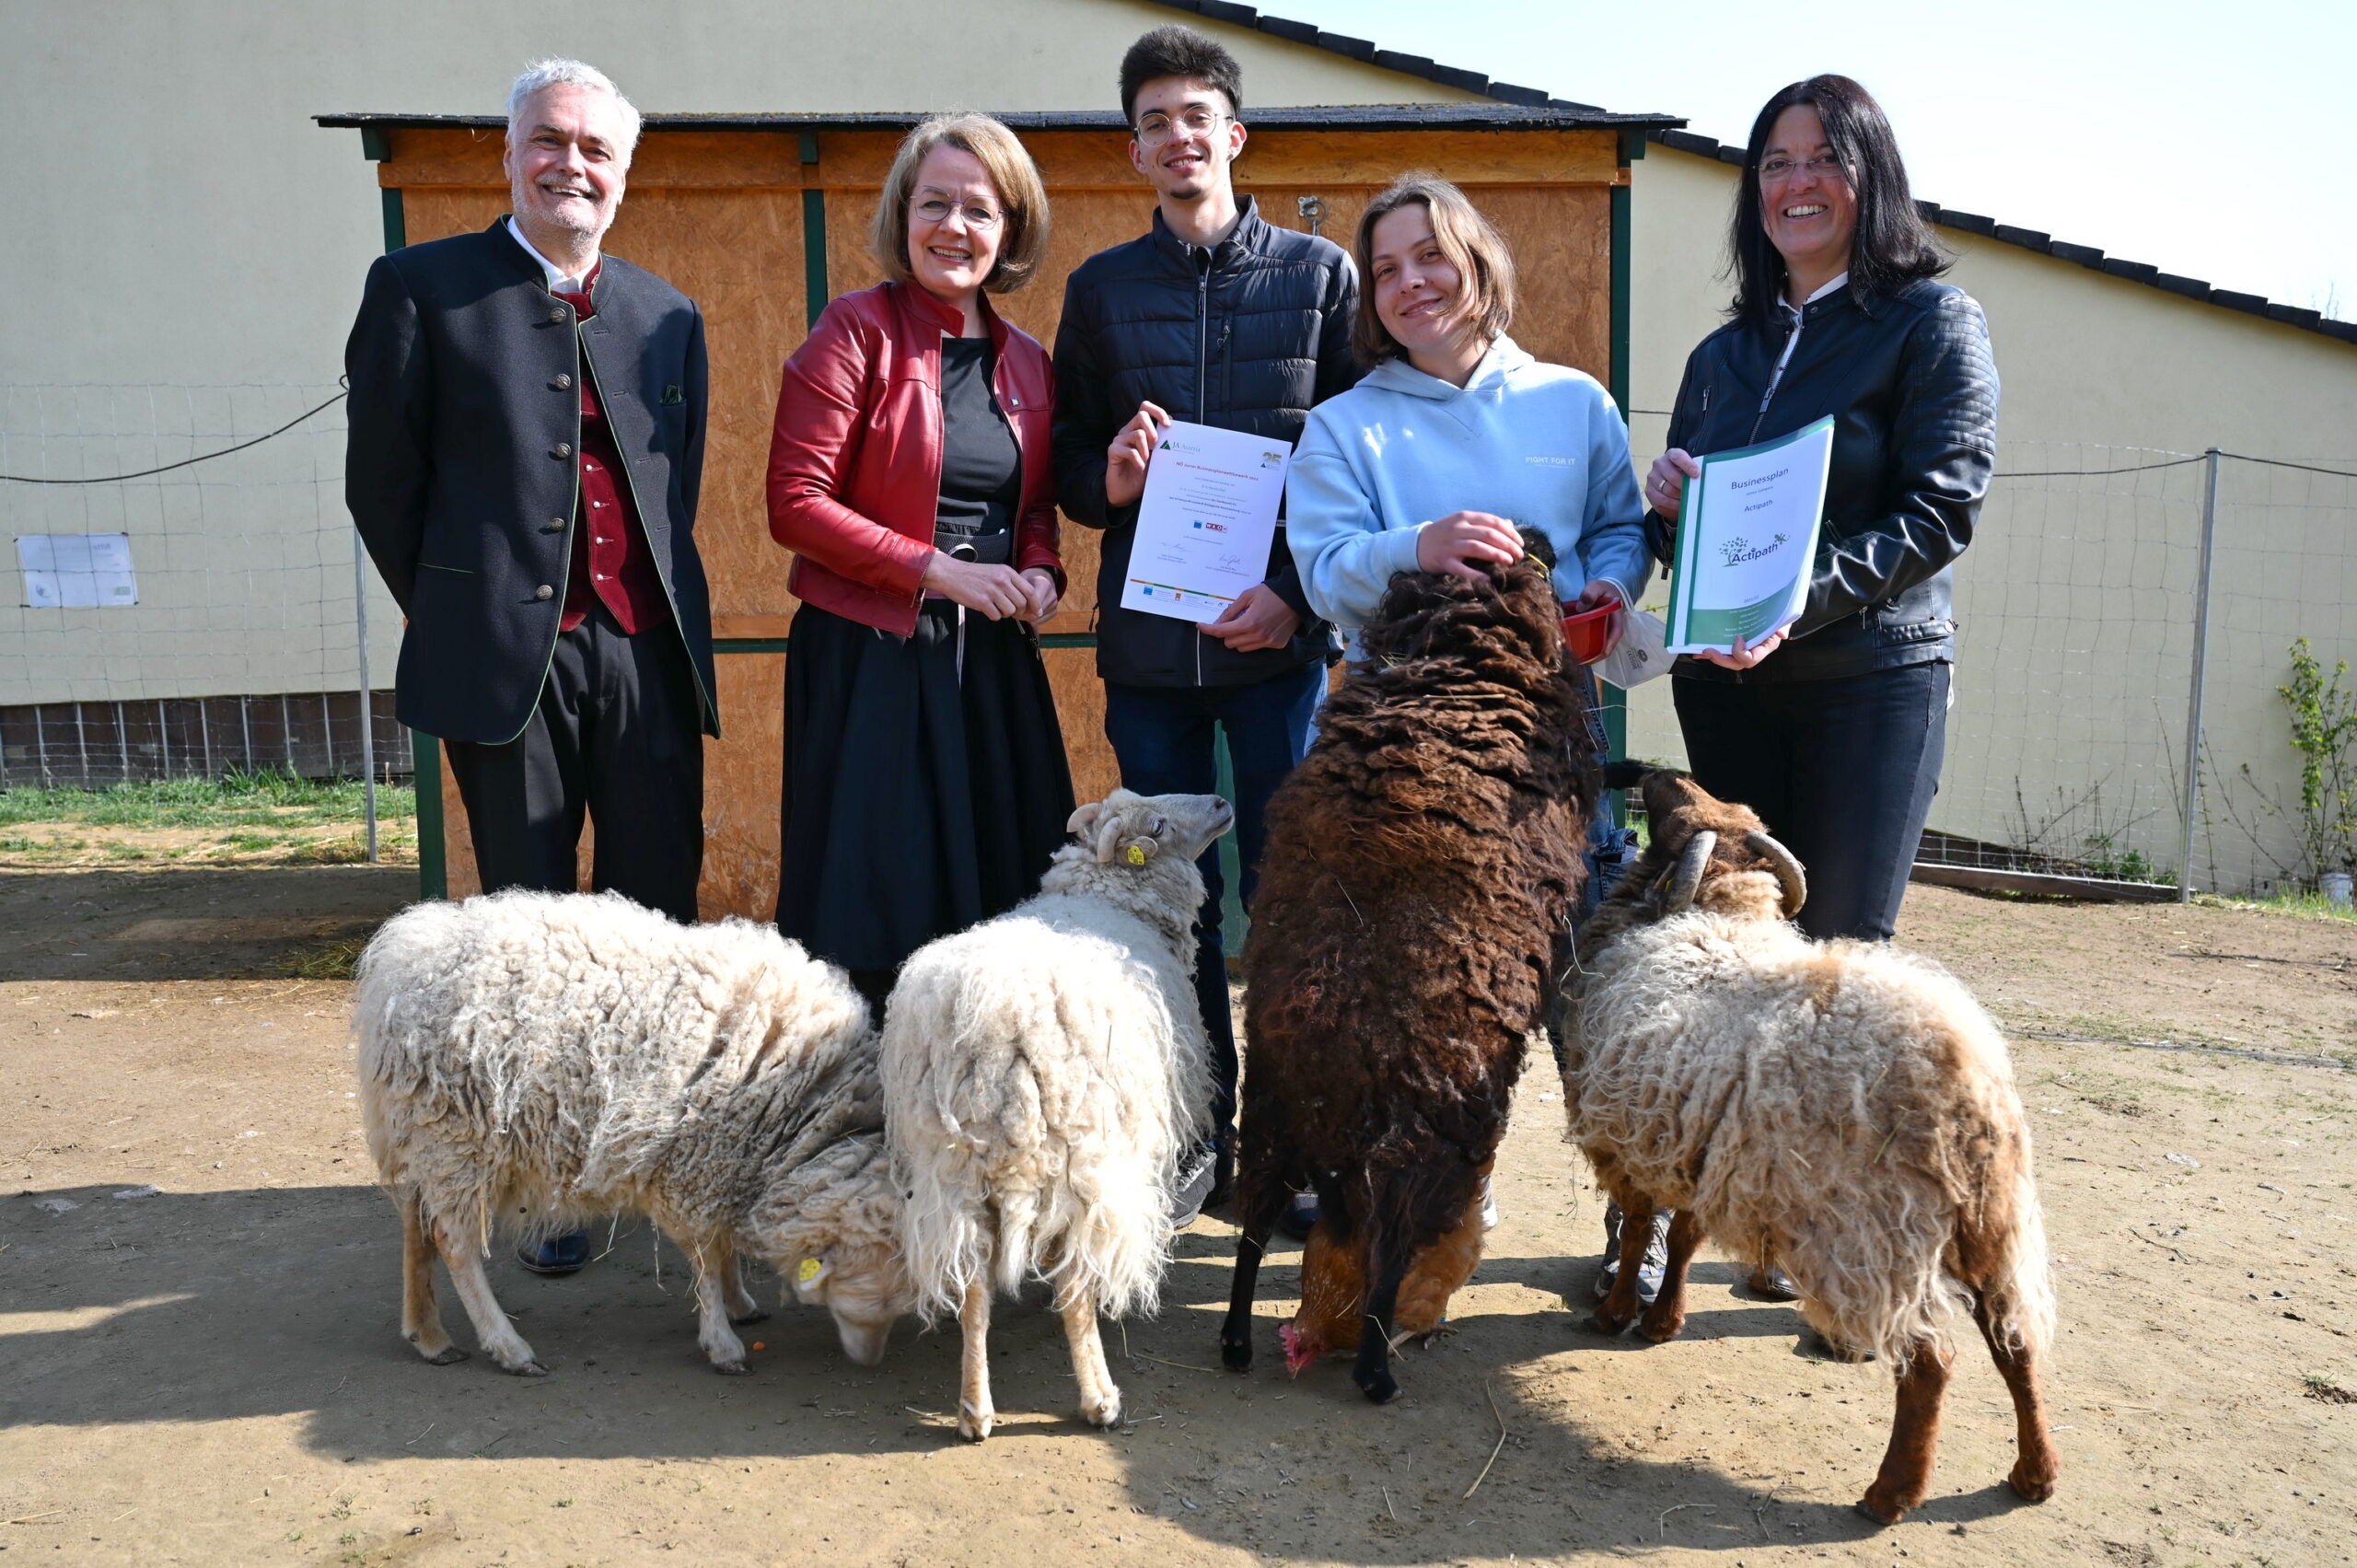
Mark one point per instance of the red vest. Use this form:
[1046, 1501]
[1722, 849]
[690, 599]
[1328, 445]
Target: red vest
[611, 560]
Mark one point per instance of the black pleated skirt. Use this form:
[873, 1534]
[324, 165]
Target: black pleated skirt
[917, 800]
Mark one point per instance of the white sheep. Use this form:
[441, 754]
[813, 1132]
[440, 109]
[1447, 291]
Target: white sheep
[1840, 1109]
[1042, 1071]
[530, 1061]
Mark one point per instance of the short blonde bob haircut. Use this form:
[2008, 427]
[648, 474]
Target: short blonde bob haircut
[1464, 236]
[1024, 240]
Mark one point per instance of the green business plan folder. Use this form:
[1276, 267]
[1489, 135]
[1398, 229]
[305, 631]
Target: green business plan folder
[1747, 540]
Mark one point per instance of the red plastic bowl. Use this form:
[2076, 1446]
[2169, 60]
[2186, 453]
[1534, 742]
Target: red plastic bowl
[1586, 633]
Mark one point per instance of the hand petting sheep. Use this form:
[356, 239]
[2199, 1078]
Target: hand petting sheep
[531, 1061]
[1839, 1109]
[1042, 1071]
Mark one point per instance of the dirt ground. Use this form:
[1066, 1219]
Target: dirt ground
[200, 1362]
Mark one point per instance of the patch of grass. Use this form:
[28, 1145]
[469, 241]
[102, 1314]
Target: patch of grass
[350, 849]
[327, 960]
[2298, 901]
[264, 797]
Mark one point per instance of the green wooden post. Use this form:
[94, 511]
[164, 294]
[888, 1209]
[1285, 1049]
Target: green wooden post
[1633, 148]
[814, 239]
[424, 750]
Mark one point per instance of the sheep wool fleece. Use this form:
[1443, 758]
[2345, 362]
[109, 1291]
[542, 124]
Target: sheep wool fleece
[538, 1059]
[1539, 445]
[1041, 1072]
[1831, 1106]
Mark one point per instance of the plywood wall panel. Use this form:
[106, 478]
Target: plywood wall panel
[1561, 239]
[1080, 708]
[741, 790]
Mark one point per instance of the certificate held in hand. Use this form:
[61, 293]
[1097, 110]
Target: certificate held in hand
[1205, 522]
[1747, 540]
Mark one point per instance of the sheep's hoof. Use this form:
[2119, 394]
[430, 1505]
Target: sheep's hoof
[449, 1355]
[1102, 1412]
[1237, 1354]
[974, 1425]
[758, 1315]
[528, 1369]
[1882, 1509]
[731, 1368]
[1609, 1323]
[2029, 1485]
[1380, 1387]
[1660, 1331]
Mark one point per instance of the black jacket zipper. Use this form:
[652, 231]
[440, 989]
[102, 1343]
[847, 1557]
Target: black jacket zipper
[1202, 392]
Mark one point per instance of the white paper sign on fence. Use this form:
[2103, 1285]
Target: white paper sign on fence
[77, 570]
[1205, 522]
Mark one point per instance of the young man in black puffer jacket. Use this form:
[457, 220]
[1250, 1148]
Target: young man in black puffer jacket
[1214, 316]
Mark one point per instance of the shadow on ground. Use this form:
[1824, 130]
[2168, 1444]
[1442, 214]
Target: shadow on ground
[281, 1302]
[220, 924]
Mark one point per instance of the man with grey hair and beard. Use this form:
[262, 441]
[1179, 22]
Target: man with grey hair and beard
[527, 439]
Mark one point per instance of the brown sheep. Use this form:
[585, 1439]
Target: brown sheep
[1414, 910]
[1842, 1109]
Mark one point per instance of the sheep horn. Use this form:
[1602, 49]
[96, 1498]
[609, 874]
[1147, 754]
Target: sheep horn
[1787, 868]
[1687, 878]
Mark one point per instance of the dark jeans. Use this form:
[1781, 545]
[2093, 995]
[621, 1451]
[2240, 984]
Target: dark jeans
[1163, 738]
[615, 734]
[1844, 771]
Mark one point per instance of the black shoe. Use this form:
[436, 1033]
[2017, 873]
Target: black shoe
[558, 1255]
[1223, 1170]
[1650, 1268]
[1771, 1283]
[1299, 1217]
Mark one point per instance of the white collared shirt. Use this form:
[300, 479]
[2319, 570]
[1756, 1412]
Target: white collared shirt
[1792, 338]
[562, 283]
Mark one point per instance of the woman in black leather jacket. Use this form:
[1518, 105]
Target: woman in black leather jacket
[1833, 728]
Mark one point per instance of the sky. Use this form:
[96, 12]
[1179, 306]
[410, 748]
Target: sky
[2215, 141]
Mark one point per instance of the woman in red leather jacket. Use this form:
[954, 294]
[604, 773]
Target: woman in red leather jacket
[909, 473]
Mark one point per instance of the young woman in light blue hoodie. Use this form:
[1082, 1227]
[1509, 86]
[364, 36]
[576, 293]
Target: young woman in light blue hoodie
[1457, 436]
[1455, 440]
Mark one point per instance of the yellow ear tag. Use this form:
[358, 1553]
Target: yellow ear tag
[808, 1271]
[1137, 856]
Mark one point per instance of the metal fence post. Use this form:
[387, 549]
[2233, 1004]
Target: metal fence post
[2201, 658]
[367, 726]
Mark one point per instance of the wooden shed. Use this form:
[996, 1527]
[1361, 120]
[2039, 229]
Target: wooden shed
[763, 218]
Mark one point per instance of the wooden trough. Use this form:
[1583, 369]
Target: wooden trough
[762, 219]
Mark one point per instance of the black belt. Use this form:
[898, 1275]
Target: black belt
[989, 549]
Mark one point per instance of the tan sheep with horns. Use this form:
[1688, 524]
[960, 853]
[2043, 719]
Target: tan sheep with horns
[1842, 1109]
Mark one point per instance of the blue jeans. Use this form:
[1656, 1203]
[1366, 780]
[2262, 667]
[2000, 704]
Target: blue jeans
[1842, 772]
[1163, 738]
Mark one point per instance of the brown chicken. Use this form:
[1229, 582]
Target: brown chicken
[1333, 1289]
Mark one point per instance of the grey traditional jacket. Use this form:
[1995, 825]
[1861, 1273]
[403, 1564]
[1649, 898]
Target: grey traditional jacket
[462, 474]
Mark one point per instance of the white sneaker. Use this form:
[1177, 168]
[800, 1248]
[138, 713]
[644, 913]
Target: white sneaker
[1197, 1171]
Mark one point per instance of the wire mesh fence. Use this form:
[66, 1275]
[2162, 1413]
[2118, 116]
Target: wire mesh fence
[188, 598]
[2080, 616]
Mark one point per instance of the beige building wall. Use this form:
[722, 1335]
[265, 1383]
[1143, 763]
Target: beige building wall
[184, 249]
[2076, 601]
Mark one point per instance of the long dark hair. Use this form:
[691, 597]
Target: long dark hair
[1891, 246]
